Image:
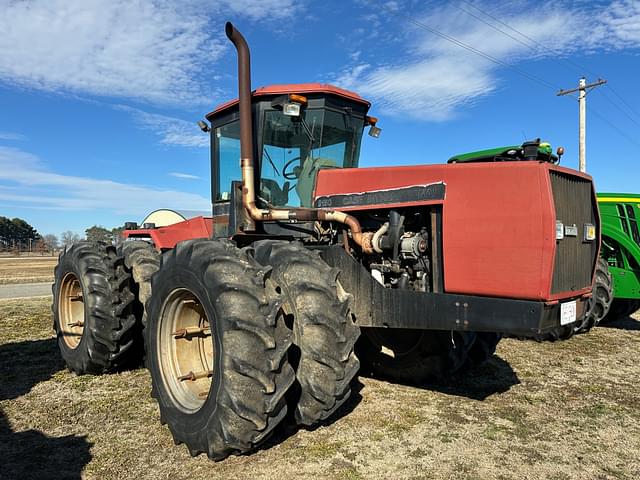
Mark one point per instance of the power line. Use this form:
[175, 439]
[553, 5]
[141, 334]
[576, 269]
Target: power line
[497, 61]
[471, 49]
[493, 26]
[606, 95]
[612, 125]
[581, 69]
[622, 99]
[555, 54]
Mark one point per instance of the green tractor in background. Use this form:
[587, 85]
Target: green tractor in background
[620, 213]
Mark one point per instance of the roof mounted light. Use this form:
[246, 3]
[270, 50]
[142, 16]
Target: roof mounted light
[291, 109]
[295, 98]
[373, 131]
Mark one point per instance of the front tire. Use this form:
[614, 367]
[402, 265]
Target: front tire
[93, 309]
[217, 348]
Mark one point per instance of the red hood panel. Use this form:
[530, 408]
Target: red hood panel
[498, 221]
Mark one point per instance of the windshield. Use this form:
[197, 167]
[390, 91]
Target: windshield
[294, 149]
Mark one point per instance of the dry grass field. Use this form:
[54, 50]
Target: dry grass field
[26, 269]
[535, 411]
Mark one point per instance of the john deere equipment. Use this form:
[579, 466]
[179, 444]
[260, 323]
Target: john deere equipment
[620, 213]
[252, 315]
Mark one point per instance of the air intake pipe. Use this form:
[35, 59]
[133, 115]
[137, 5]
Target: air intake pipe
[248, 166]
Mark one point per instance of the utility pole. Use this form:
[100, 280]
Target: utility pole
[582, 127]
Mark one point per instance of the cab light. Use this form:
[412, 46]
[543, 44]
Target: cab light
[294, 97]
[291, 109]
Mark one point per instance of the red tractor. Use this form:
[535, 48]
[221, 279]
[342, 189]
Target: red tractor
[253, 314]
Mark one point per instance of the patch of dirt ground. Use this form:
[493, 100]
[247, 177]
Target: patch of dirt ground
[26, 269]
[560, 410]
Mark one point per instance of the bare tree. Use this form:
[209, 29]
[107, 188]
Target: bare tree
[69, 238]
[51, 241]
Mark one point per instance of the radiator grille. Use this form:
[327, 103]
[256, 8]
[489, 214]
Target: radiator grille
[575, 259]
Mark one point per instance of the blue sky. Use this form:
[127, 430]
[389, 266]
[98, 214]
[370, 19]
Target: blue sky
[99, 99]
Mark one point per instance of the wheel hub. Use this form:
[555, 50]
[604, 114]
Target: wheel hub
[71, 310]
[185, 349]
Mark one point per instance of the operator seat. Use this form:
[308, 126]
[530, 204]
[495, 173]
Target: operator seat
[307, 177]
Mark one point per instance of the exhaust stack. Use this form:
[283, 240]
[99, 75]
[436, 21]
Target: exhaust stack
[247, 161]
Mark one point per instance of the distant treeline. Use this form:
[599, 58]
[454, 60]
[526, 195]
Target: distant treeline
[16, 234]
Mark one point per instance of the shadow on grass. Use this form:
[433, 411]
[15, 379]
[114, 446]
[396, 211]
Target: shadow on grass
[31, 453]
[624, 323]
[25, 364]
[477, 383]
[494, 377]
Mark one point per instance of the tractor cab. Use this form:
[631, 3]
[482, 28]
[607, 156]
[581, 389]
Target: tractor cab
[297, 130]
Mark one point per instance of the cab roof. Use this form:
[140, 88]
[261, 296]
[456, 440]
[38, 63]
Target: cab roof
[295, 88]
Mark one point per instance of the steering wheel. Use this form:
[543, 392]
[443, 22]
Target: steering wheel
[290, 175]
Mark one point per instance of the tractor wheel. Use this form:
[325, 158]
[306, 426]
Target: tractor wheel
[621, 308]
[142, 261]
[601, 298]
[217, 348]
[324, 331]
[414, 356]
[93, 309]
[482, 349]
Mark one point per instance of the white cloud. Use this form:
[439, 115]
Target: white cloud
[436, 77]
[186, 176]
[622, 21]
[262, 9]
[12, 136]
[153, 51]
[172, 131]
[36, 186]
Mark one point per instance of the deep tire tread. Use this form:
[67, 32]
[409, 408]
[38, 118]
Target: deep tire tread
[601, 298]
[109, 321]
[254, 371]
[323, 329]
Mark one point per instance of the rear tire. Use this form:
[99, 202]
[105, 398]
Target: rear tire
[221, 387]
[601, 298]
[93, 309]
[415, 356]
[323, 327]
